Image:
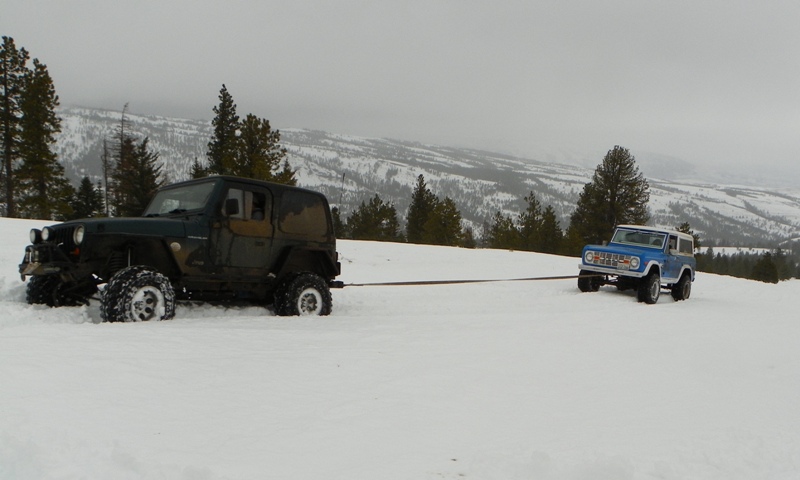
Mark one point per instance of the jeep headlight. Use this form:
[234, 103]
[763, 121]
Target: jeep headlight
[588, 256]
[634, 263]
[47, 232]
[77, 235]
[36, 236]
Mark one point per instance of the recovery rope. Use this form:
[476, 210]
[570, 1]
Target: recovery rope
[457, 282]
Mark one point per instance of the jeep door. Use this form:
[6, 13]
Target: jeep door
[241, 236]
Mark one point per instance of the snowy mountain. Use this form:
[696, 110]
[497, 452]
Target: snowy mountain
[350, 169]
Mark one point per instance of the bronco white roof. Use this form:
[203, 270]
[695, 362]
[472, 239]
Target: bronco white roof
[670, 231]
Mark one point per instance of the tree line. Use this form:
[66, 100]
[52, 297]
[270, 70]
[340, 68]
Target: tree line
[618, 193]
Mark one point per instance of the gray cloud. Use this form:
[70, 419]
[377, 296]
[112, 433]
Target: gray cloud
[713, 83]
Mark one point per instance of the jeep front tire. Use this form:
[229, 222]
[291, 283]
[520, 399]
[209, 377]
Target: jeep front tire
[136, 294]
[303, 294]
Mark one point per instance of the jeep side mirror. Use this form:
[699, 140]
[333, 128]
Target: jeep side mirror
[231, 207]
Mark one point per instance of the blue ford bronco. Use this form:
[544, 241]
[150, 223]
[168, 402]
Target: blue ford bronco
[646, 259]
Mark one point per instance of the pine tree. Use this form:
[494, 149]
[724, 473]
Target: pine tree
[258, 155]
[224, 143]
[618, 194]
[551, 237]
[503, 233]
[105, 163]
[422, 204]
[339, 227]
[443, 226]
[88, 200]
[375, 220]
[530, 224]
[136, 178]
[42, 189]
[287, 175]
[198, 170]
[765, 270]
[13, 71]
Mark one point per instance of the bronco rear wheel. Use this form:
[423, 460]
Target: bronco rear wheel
[137, 294]
[682, 289]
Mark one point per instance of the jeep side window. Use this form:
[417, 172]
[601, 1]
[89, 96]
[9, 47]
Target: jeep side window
[302, 213]
[249, 212]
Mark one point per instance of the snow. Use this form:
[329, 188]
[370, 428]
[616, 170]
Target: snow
[503, 380]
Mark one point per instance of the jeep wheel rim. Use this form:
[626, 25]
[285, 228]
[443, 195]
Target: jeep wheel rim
[309, 302]
[147, 304]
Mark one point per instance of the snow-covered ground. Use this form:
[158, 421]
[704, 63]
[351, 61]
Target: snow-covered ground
[505, 380]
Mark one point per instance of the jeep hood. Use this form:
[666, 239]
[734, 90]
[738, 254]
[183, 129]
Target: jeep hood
[167, 227]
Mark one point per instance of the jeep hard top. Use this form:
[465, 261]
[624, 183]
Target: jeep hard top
[214, 238]
[643, 258]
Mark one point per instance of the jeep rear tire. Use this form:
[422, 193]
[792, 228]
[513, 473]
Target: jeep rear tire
[650, 288]
[303, 294]
[682, 289]
[136, 294]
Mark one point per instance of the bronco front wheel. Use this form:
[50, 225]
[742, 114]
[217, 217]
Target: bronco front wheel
[650, 288]
[137, 294]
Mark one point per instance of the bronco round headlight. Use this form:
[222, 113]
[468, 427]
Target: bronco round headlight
[36, 235]
[588, 256]
[47, 232]
[634, 262]
[77, 235]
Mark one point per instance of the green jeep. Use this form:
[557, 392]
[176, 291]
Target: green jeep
[216, 238]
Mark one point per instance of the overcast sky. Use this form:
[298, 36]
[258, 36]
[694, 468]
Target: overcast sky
[713, 83]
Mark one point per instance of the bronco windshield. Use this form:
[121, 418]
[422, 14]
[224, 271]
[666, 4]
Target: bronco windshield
[639, 238]
[180, 199]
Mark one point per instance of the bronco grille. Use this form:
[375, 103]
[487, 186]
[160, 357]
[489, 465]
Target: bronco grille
[614, 260]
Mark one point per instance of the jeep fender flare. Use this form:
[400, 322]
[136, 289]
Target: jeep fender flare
[296, 258]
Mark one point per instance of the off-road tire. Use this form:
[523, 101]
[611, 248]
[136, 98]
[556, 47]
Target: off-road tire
[137, 293]
[303, 294]
[650, 288]
[50, 290]
[682, 289]
[588, 281]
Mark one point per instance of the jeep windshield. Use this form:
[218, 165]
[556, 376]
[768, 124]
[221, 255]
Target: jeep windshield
[180, 200]
[639, 238]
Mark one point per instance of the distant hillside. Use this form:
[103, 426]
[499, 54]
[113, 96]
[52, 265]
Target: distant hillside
[351, 169]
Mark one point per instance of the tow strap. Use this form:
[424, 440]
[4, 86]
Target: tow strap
[457, 282]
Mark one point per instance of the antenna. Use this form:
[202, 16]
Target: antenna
[341, 192]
